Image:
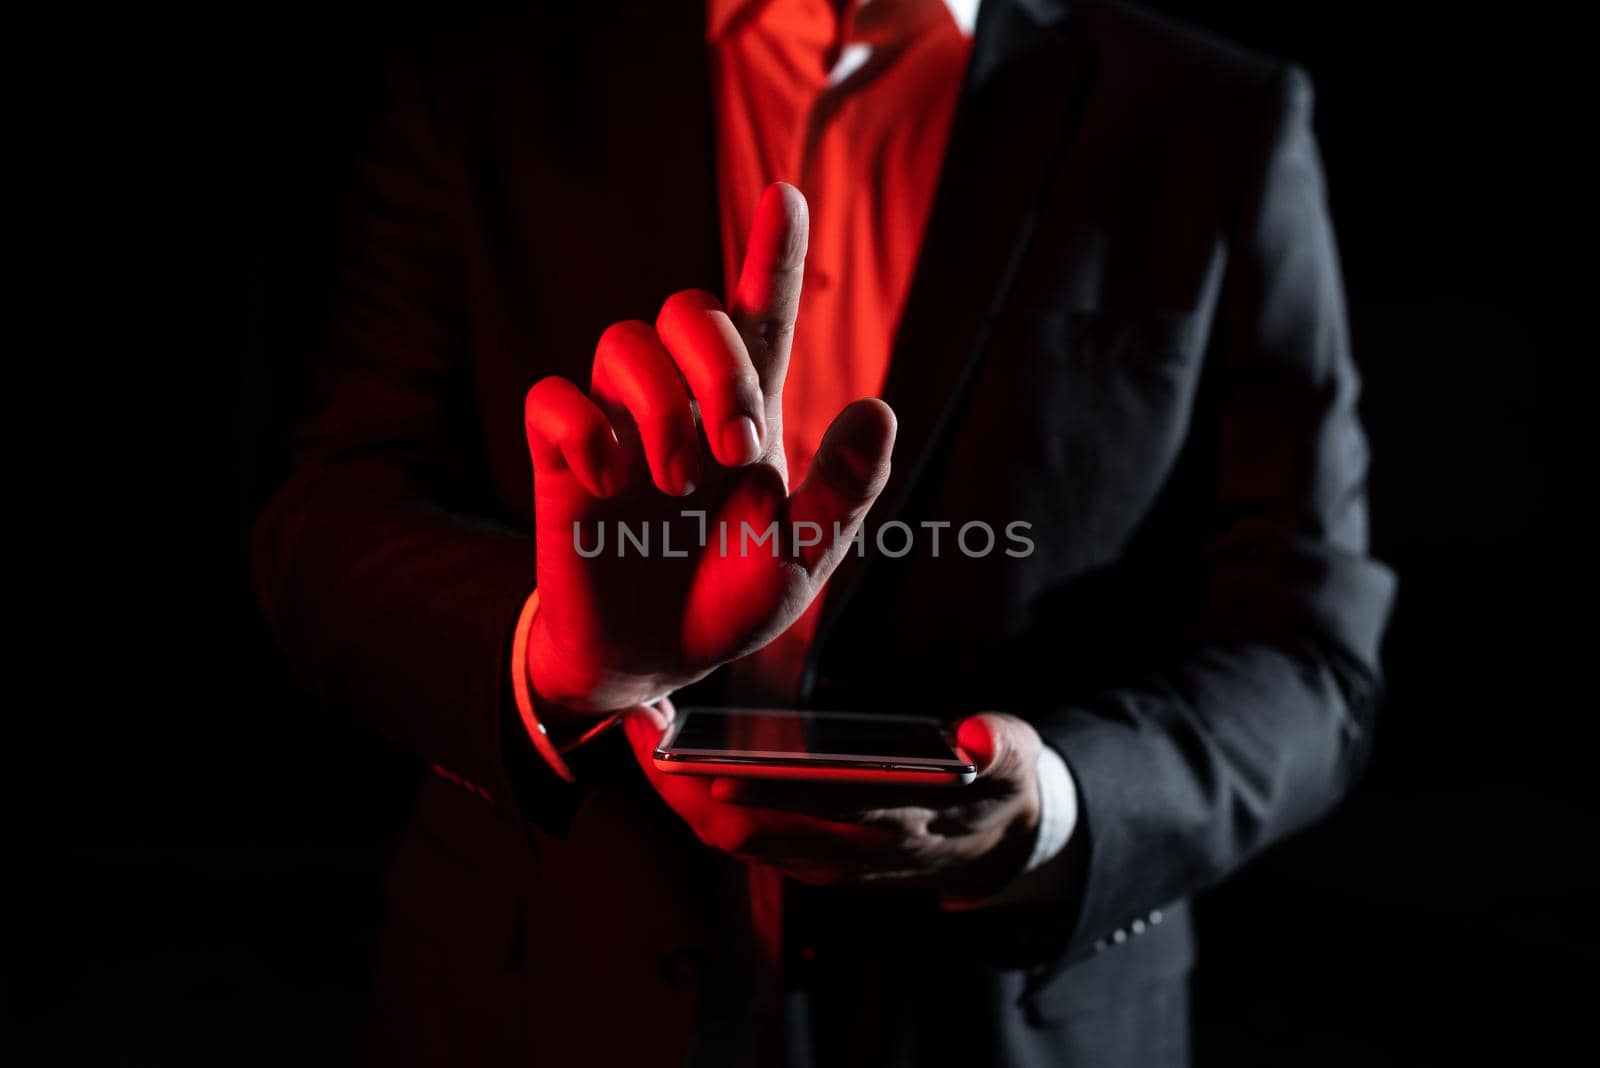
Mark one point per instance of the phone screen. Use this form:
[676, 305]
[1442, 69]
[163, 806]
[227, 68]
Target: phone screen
[784, 733]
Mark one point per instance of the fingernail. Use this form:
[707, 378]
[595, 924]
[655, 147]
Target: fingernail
[973, 735]
[740, 441]
[682, 470]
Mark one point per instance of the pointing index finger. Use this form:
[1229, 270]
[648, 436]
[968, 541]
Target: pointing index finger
[768, 296]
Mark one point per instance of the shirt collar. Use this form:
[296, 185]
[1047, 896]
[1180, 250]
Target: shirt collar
[965, 12]
[720, 13]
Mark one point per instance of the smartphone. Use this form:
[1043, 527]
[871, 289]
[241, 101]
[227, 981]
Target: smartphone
[767, 743]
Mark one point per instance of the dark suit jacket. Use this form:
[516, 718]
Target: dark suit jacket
[1126, 329]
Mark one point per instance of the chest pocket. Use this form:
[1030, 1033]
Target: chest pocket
[1155, 349]
[1102, 401]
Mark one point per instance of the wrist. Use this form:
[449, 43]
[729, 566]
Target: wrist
[522, 690]
[560, 697]
[566, 693]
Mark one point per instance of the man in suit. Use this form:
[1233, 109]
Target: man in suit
[1083, 257]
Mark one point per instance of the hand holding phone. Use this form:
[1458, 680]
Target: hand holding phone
[843, 817]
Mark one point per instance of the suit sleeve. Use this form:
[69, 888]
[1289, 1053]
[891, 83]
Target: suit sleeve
[390, 593]
[1266, 717]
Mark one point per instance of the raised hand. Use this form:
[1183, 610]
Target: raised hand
[687, 417]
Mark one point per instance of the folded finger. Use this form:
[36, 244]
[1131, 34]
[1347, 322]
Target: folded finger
[712, 357]
[569, 437]
[635, 379]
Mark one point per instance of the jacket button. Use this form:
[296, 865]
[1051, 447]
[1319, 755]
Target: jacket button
[1137, 926]
[1119, 936]
[1155, 916]
[1099, 945]
[681, 968]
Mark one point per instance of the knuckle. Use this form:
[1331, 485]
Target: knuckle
[740, 837]
[726, 834]
[620, 340]
[541, 397]
[687, 301]
[913, 843]
[743, 384]
[706, 831]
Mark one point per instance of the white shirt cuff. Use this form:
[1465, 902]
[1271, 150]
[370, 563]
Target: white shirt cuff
[1058, 809]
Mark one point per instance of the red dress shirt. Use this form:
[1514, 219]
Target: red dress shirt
[852, 104]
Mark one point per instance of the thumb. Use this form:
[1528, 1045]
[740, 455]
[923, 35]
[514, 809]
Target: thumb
[850, 469]
[645, 724]
[997, 743]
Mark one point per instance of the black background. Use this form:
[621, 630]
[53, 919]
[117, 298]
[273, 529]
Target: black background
[207, 880]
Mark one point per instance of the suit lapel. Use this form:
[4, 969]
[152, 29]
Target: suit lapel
[1024, 81]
